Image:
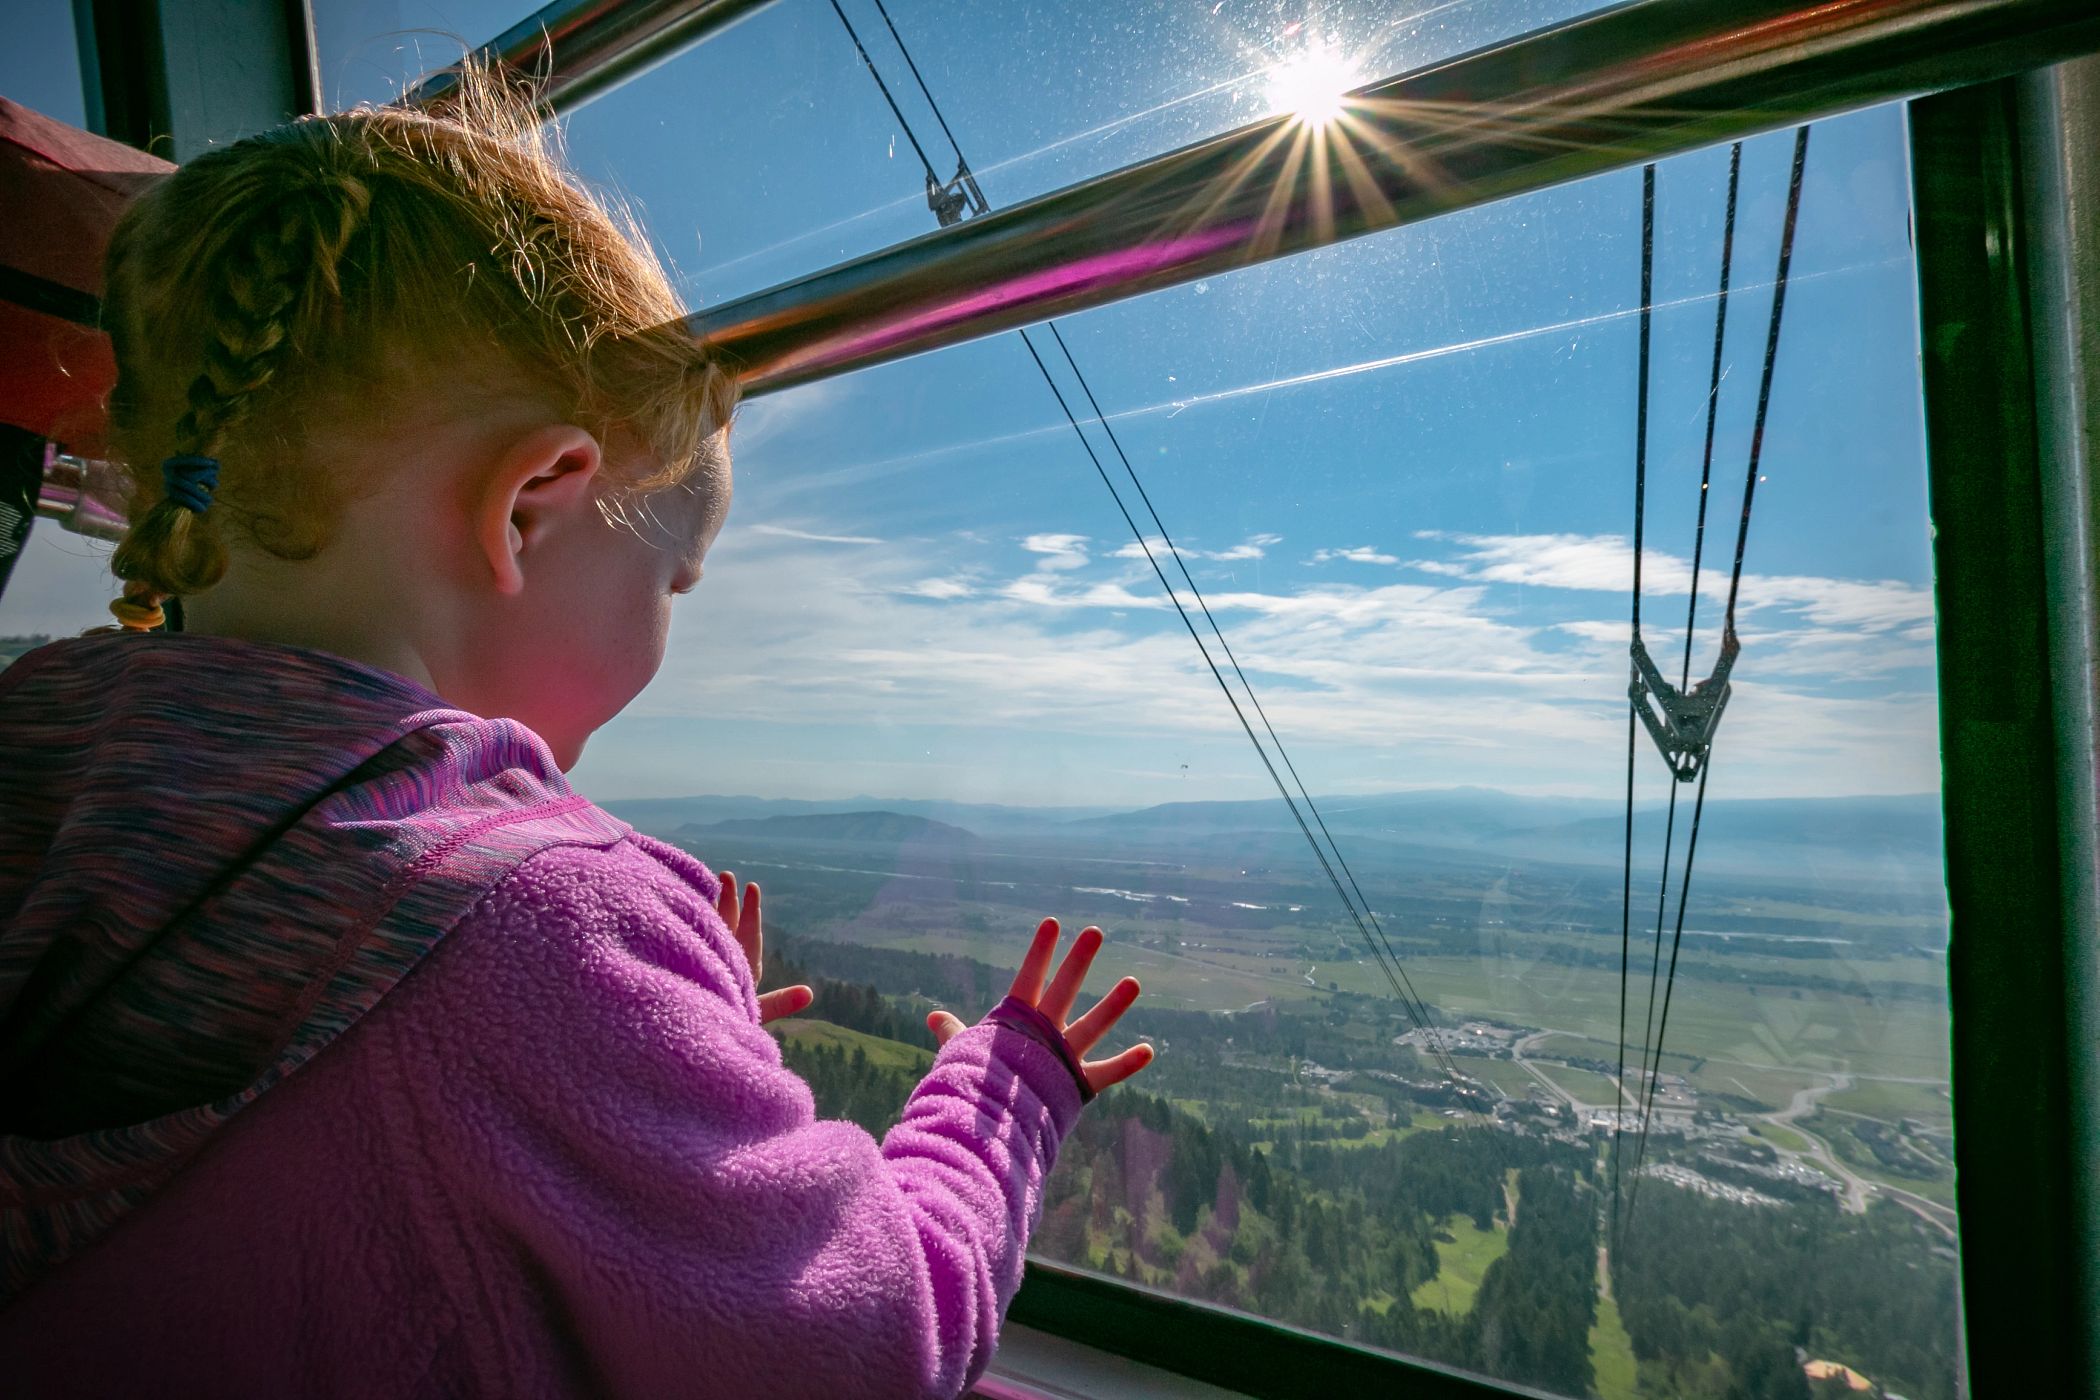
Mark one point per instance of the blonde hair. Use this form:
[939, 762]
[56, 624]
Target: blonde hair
[293, 273]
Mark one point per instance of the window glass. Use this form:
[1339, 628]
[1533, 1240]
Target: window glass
[931, 691]
[370, 50]
[58, 583]
[40, 63]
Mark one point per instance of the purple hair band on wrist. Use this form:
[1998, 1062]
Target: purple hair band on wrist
[190, 481]
[1030, 1021]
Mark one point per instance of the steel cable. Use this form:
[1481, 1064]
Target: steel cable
[1735, 580]
[1388, 960]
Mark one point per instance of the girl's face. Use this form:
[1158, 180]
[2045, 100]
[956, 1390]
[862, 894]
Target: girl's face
[590, 625]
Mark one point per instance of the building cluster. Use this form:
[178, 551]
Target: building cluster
[1485, 1038]
[1678, 1175]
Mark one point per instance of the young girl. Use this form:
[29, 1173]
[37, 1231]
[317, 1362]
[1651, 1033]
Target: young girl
[343, 1049]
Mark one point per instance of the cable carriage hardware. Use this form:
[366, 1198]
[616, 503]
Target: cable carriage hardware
[1682, 723]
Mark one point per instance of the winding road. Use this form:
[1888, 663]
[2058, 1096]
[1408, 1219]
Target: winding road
[1857, 1188]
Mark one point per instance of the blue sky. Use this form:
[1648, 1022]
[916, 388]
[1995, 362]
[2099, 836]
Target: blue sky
[1402, 466]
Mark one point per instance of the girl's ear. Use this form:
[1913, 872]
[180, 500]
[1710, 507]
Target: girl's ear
[539, 480]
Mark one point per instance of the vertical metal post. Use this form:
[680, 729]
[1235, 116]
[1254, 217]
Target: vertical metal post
[2007, 960]
[179, 78]
[2059, 136]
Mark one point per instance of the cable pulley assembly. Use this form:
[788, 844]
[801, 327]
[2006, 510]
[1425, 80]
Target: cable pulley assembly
[958, 199]
[1682, 722]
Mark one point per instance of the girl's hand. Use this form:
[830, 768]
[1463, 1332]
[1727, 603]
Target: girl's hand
[1056, 1000]
[744, 920]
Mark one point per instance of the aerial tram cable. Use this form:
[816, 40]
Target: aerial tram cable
[949, 201]
[1691, 611]
[965, 184]
[1651, 1073]
[876, 73]
[1362, 900]
[1416, 1010]
[1694, 742]
[1640, 482]
[1713, 404]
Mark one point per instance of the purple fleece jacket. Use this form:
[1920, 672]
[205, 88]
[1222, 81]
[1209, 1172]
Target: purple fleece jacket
[345, 1051]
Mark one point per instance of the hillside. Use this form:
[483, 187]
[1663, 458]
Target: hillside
[1843, 839]
[1893, 836]
[881, 1053]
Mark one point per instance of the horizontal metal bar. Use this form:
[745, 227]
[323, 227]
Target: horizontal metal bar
[580, 48]
[84, 495]
[1633, 83]
[1248, 1355]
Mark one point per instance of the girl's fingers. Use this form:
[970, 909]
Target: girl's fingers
[750, 930]
[944, 1025]
[725, 903]
[1086, 1032]
[1117, 1068]
[1028, 982]
[788, 1001]
[1064, 988]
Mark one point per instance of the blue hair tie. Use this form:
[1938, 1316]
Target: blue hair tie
[190, 481]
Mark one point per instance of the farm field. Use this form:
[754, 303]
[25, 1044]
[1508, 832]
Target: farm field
[1506, 1075]
[1784, 1136]
[1892, 1102]
[883, 1054]
[1588, 1087]
[1816, 1031]
[1461, 1264]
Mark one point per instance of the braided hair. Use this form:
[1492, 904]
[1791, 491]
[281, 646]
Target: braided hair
[293, 278]
[279, 267]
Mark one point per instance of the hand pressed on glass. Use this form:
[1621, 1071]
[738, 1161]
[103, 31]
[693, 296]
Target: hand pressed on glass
[745, 921]
[1055, 1001]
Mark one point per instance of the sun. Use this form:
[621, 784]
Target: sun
[1311, 86]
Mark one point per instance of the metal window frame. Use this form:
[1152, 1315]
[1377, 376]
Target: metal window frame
[176, 77]
[1639, 81]
[2059, 137]
[576, 50]
[2008, 283]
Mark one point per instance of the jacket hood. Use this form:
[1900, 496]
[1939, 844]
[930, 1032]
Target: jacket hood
[214, 856]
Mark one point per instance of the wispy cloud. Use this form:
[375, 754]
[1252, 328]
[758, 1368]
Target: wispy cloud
[940, 589]
[1041, 591]
[1604, 564]
[1253, 547]
[1058, 552]
[789, 532]
[1360, 554]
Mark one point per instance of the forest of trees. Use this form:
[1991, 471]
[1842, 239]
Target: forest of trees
[1870, 1290]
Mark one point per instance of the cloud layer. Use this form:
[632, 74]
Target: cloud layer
[1435, 674]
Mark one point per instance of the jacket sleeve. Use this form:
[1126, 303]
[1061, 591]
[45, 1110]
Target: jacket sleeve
[607, 1113]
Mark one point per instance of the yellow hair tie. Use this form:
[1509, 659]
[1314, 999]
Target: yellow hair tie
[137, 614]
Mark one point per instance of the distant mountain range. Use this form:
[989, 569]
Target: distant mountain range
[1892, 837]
[662, 816]
[888, 828]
